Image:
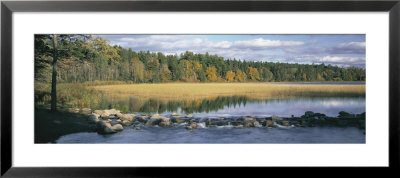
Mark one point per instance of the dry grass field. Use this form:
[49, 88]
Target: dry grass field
[190, 91]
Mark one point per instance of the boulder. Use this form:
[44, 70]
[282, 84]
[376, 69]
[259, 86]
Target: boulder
[308, 114]
[137, 127]
[276, 118]
[111, 112]
[126, 123]
[192, 126]
[128, 117]
[155, 116]
[247, 119]
[86, 111]
[176, 114]
[164, 119]
[166, 124]
[99, 112]
[104, 127]
[117, 127]
[269, 123]
[251, 123]
[343, 114]
[189, 116]
[285, 123]
[153, 122]
[179, 121]
[143, 118]
[94, 117]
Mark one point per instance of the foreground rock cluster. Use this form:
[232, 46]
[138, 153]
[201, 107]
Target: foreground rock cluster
[112, 121]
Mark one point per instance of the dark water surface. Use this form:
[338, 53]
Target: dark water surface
[223, 134]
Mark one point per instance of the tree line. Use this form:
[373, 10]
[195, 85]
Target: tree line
[87, 58]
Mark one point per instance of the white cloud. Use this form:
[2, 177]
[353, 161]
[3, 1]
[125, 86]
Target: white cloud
[258, 49]
[262, 43]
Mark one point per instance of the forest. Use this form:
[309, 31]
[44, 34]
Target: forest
[83, 58]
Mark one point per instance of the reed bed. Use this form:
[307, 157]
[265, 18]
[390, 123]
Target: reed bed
[191, 91]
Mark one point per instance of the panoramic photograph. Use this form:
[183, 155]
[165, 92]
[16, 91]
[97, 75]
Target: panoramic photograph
[199, 89]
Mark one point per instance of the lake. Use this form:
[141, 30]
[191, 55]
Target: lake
[231, 107]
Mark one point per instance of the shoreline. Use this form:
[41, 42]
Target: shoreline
[50, 126]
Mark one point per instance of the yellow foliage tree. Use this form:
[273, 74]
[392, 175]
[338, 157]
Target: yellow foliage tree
[304, 76]
[230, 76]
[137, 70]
[254, 75]
[240, 75]
[211, 73]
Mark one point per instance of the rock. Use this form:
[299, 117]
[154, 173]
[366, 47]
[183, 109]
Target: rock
[251, 123]
[117, 127]
[143, 118]
[269, 123]
[239, 127]
[112, 112]
[153, 122]
[104, 127]
[192, 126]
[189, 116]
[248, 124]
[248, 119]
[166, 124]
[137, 127]
[179, 121]
[94, 117]
[86, 111]
[99, 112]
[343, 114]
[155, 116]
[276, 118]
[73, 110]
[119, 120]
[308, 114]
[128, 117]
[176, 114]
[285, 123]
[126, 123]
[164, 119]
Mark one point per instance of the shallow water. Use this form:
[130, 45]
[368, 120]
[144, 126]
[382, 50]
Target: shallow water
[223, 134]
[242, 107]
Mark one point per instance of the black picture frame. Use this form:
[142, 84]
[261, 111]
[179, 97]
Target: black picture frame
[8, 7]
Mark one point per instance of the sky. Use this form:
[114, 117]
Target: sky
[339, 50]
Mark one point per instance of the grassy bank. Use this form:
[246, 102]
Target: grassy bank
[180, 91]
[68, 95]
[49, 126]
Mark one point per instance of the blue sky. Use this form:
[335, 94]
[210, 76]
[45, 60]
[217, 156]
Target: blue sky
[340, 50]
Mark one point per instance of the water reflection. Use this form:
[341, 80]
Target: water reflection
[238, 106]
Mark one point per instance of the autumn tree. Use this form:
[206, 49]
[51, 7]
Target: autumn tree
[253, 73]
[230, 76]
[211, 73]
[137, 70]
[240, 75]
[165, 73]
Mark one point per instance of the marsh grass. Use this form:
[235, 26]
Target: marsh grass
[192, 91]
[68, 95]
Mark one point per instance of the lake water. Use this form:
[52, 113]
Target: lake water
[223, 134]
[231, 107]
